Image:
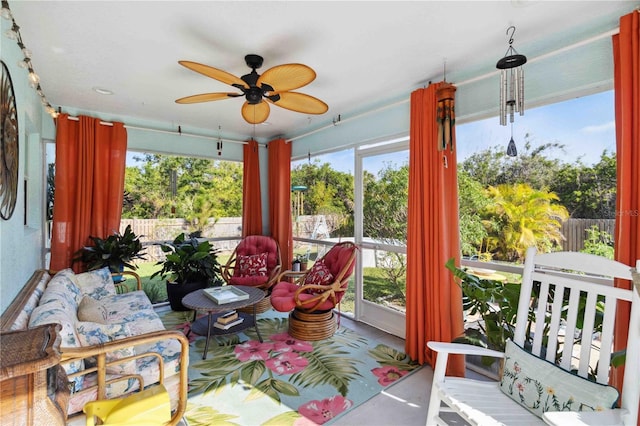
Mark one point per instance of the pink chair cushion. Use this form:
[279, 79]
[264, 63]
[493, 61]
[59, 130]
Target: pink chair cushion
[282, 298]
[249, 280]
[257, 244]
[282, 295]
[337, 258]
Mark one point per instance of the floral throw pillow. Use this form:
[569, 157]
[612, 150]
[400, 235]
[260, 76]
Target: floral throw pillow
[96, 284]
[541, 386]
[254, 265]
[318, 275]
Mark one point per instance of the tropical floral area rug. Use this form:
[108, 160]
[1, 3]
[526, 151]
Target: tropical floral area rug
[283, 381]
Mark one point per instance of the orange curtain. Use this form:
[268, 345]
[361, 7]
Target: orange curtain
[89, 184]
[252, 200]
[280, 197]
[626, 54]
[434, 300]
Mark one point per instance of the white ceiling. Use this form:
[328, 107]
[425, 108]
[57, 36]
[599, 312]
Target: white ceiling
[364, 53]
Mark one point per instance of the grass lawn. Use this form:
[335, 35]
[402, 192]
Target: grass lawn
[377, 288]
[155, 288]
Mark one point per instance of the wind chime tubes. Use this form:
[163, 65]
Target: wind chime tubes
[511, 82]
[511, 88]
[445, 114]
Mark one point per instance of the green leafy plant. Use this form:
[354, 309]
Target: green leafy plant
[116, 251]
[598, 242]
[189, 259]
[496, 303]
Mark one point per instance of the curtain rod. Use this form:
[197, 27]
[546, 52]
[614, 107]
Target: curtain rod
[468, 81]
[172, 132]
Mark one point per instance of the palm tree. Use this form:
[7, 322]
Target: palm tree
[519, 217]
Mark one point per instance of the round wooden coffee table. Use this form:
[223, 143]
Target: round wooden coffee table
[198, 301]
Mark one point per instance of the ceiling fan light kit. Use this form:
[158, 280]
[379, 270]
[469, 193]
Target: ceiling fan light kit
[274, 86]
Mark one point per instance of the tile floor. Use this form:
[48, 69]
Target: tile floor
[402, 404]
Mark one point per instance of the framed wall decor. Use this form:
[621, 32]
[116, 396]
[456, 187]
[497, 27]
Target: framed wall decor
[8, 146]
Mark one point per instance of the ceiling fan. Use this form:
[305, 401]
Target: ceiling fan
[273, 86]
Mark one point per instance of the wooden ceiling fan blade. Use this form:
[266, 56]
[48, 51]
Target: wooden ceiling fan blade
[300, 102]
[255, 113]
[214, 73]
[206, 97]
[287, 77]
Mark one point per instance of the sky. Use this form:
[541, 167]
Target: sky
[585, 126]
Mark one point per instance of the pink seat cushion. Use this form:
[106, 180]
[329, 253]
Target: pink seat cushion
[250, 280]
[335, 260]
[282, 298]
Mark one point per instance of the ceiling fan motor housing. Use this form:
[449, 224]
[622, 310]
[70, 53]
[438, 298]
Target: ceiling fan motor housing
[253, 95]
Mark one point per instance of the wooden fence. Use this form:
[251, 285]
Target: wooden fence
[154, 231]
[575, 231]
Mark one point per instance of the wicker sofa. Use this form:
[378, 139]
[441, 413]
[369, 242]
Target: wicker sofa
[112, 342]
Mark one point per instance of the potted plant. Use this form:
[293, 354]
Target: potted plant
[304, 261]
[117, 251]
[190, 265]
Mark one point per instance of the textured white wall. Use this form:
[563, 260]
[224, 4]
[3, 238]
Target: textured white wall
[20, 244]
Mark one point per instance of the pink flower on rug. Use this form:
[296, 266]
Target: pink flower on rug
[387, 375]
[325, 410]
[186, 330]
[287, 363]
[303, 421]
[252, 350]
[283, 342]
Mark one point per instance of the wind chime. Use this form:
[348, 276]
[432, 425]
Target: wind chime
[511, 87]
[445, 114]
[173, 188]
[219, 142]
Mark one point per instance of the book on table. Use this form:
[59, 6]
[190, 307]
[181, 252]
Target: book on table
[225, 294]
[227, 317]
[229, 325]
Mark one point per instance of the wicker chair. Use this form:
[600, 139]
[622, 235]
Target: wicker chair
[314, 293]
[255, 262]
